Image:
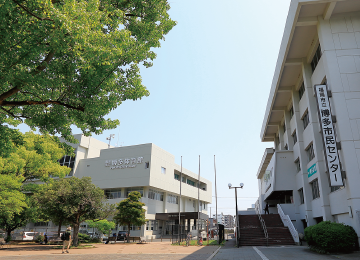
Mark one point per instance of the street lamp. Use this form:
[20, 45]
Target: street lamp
[236, 215]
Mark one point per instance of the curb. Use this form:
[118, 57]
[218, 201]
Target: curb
[213, 254]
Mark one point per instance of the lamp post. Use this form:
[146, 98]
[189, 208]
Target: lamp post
[236, 215]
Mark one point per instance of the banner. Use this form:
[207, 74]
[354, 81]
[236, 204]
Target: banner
[328, 133]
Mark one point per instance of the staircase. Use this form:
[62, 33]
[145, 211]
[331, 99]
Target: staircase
[252, 234]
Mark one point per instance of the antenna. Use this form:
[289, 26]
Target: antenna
[109, 138]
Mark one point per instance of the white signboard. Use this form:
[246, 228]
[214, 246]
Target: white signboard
[331, 152]
[123, 163]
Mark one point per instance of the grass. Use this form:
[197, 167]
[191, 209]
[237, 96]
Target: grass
[205, 243]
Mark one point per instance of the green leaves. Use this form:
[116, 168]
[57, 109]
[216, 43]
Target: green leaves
[72, 62]
[130, 211]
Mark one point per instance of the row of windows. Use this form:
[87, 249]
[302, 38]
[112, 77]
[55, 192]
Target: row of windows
[152, 225]
[156, 195]
[116, 193]
[172, 199]
[67, 161]
[314, 190]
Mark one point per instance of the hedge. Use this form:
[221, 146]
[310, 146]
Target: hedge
[331, 237]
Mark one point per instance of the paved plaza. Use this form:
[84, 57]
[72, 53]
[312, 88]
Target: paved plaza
[164, 250]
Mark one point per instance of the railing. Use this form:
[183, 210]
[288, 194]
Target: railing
[287, 223]
[258, 212]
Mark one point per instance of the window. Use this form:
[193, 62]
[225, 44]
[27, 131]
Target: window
[284, 127]
[190, 182]
[156, 195]
[286, 147]
[301, 194]
[67, 161]
[183, 179]
[335, 188]
[147, 165]
[316, 58]
[176, 176]
[172, 199]
[163, 170]
[139, 189]
[294, 137]
[291, 112]
[301, 90]
[297, 163]
[113, 194]
[310, 152]
[152, 225]
[305, 119]
[315, 189]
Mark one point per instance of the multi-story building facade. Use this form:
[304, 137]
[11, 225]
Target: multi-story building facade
[220, 218]
[148, 169]
[313, 170]
[229, 221]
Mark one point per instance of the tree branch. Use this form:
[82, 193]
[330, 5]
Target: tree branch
[26, 10]
[8, 93]
[45, 62]
[30, 103]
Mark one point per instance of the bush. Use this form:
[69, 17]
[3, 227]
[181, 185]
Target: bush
[331, 237]
[84, 238]
[39, 238]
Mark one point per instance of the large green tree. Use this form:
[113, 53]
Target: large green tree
[24, 158]
[130, 211]
[76, 200]
[72, 62]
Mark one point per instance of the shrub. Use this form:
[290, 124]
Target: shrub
[39, 238]
[331, 237]
[84, 238]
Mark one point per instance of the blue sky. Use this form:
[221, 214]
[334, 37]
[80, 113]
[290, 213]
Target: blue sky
[208, 91]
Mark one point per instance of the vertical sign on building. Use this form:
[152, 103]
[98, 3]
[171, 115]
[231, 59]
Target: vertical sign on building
[328, 133]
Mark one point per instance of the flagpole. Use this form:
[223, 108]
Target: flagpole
[180, 202]
[217, 223]
[199, 203]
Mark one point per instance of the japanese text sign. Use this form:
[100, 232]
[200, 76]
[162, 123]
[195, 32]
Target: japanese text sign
[123, 163]
[331, 152]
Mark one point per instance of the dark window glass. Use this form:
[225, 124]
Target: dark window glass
[315, 189]
[291, 112]
[301, 90]
[301, 194]
[298, 166]
[316, 58]
[294, 137]
[306, 119]
[284, 127]
[310, 152]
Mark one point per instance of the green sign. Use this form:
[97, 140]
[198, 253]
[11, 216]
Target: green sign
[312, 170]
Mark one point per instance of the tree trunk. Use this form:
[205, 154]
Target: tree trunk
[8, 235]
[59, 229]
[128, 236]
[76, 234]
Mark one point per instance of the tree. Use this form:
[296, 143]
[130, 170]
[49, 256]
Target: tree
[36, 158]
[130, 211]
[77, 200]
[25, 157]
[72, 62]
[103, 226]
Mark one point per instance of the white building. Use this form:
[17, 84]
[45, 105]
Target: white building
[310, 174]
[220, 218]
[150, 170]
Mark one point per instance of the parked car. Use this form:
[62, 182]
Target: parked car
[122, 235]
[27, 236]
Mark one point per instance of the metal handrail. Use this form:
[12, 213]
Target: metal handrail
[258, 212]
[288, 223]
